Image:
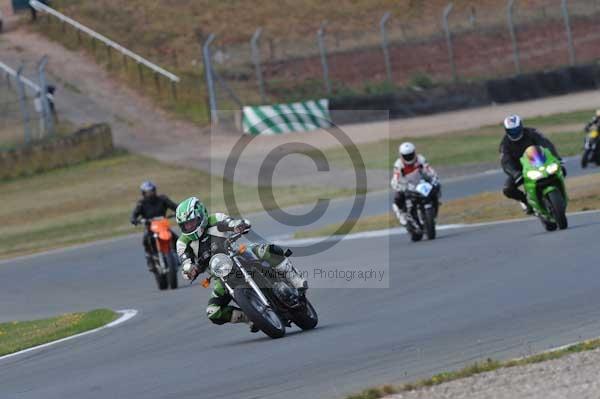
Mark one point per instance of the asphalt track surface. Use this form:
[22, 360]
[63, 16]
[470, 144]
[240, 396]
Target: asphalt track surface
[499, 291]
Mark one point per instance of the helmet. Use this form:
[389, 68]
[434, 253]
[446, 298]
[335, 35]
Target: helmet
[192, 218]
[408, 153]
[148, 188]
[513, 127]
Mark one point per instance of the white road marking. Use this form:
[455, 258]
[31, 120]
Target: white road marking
[281, 240]
[126, 315]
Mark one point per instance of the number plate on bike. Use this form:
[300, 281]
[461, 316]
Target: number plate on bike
[424, 188]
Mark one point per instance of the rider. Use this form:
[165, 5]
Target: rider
[410, 167]
[594, 122]
[204, 235]
[149, 206]
[513, 145]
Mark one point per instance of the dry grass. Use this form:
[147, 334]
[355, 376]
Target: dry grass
[584, 195]
[93, 200]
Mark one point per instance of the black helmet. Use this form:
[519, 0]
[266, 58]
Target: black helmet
[148, 189]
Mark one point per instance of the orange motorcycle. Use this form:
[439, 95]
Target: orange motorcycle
[163, 252]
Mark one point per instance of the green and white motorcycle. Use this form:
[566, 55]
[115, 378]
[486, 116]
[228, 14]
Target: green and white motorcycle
[544, 182]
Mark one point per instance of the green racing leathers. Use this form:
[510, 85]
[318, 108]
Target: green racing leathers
[197, 254]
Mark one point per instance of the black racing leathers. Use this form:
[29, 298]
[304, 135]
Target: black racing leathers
[510, 155]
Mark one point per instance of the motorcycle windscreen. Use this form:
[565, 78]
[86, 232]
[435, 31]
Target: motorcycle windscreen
[536, 156]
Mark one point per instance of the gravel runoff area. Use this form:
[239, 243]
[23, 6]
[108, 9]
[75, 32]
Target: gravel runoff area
[571, 376]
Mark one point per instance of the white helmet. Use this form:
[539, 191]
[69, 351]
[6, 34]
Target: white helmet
[408, 153]
[513, 126]
[598, 112]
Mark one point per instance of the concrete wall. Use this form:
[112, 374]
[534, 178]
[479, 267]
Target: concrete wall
[86, 144]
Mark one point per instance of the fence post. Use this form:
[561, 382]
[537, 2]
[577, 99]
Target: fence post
[210, 84]
[23, 104]
[565, 11]
[384, 46]
[46, 114]
[323, 51]
[513, 35]
[447, 12]
[256, 62]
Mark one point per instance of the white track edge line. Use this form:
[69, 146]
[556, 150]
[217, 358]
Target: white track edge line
[126, 315]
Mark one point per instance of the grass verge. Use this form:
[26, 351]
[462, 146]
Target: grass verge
[474, 369]
[93, 200]
[584, 195]
[19, 335]
[466, 147]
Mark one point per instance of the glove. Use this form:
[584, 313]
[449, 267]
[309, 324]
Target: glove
[134, 221]
[192, 273]
[241, 226]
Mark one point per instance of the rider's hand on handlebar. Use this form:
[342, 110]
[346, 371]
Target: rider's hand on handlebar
[242, 227]
[193, 273]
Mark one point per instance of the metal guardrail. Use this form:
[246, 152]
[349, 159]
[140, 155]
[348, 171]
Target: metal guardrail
[28, 83]
[139, 59]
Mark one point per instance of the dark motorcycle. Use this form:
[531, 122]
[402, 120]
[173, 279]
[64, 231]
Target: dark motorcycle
[260, 292]
[591, 149]
[421, 210]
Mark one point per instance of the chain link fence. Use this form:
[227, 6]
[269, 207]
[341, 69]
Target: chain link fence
[25, 115]
[458, 43]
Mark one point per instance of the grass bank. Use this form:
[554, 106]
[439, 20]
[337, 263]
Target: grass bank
[19, 335]
[584, 195]
[467, 147]
[476, 368]
[93, 200]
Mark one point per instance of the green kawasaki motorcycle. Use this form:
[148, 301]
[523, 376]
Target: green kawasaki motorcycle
[544, 183]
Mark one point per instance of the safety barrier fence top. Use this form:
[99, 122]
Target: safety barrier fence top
[137, 58]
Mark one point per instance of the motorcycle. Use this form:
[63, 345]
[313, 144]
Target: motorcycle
[591, 150]
[260, 292]
[421, 210]
[163, 252]
[544, 183]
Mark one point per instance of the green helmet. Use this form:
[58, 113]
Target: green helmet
[192, 218]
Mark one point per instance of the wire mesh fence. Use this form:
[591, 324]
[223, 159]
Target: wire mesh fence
[458, 42]
[24, 116]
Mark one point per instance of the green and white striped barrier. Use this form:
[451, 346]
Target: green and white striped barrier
[285, 118]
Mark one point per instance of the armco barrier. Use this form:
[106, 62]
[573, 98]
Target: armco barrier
[410, 102]
[86, 144]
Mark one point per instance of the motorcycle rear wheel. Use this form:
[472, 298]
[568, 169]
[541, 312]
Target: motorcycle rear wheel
[264, 318]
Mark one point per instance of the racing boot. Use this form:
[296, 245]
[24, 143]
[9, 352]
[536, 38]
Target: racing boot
[400, 215]
[526, 208]
[292, 275]
[237, 316]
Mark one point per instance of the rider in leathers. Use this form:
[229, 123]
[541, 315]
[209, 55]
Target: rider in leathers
[409, 168]
[204, 235]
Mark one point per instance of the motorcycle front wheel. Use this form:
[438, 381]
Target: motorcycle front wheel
[307, 317]
[263, 317]
[171, 262]
[558, 208]
[585, 158]
[429, 220]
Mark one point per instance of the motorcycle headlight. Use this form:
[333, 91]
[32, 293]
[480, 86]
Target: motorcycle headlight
[552, 168]
[534, 174]
[220, 265]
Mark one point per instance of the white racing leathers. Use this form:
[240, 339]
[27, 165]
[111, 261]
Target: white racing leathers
[405, 174]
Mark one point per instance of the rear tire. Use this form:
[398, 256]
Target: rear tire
[265, 319]
[307, 319]
[429, 219]
[161, 281]
[172, 273]
[558, 208]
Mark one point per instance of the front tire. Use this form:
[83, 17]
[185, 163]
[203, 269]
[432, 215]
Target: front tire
[585, 158]
[161, 281]
[264, 318]
[429, 219]
[558, 208]
[307, 319]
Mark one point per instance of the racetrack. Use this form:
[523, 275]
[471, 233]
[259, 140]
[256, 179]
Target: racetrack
[500, 290]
